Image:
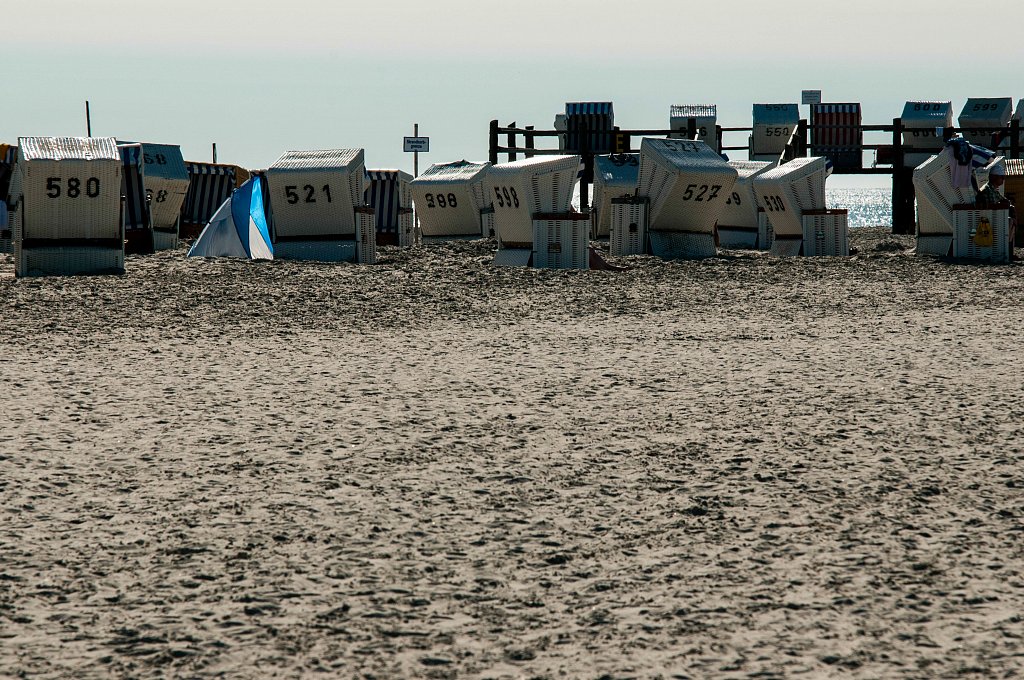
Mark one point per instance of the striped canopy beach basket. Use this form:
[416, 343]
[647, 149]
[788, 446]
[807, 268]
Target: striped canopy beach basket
[836, 134]
[210, 184]
[588, 127]
[387, 192]
[138, 225]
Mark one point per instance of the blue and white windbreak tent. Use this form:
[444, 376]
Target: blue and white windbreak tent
[238, 228]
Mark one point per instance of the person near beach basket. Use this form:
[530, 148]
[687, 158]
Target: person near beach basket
[991, 195]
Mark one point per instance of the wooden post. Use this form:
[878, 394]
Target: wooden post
[801, 127]
[529, 142]
[416, 155]
[691, 129]
[903, 219]
[492, 143]
[1015, 138]
[588, 166]
[88, 120]
[215, 152]
[511, 142]
[718, 139]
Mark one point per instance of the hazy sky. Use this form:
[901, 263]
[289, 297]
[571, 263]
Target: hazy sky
[259, 78]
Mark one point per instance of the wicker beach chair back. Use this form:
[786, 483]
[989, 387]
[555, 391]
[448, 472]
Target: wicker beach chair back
[790, 190]
[737, 223]
[522, 189]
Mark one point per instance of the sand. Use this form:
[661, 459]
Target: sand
[732, 468]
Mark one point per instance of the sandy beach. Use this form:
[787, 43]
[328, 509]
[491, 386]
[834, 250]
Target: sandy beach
[741, 467]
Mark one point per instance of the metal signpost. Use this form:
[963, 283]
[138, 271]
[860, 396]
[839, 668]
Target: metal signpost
[415, 144]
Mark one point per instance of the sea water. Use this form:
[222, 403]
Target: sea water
[867, 207]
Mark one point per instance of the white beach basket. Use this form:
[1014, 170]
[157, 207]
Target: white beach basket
[789, 190]
[314, 196]
[687, 184]
[449, 197]
[69, 206]
[773, 125]
[521, 189]
[921, 121]
[738, 222]
[936, 195]
[705, 118]
[615, 176]
[984, 112]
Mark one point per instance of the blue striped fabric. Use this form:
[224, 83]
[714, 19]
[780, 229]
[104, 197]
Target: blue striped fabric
[382, 194]
[595, 116]
[136, 210]
[209, 186]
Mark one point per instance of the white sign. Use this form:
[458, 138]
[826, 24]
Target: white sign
[811, 96]
[421, 144]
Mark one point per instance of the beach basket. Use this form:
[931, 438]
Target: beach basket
[825, 233]
[705, 117]
[936, 195]
[167, 184]
[8, 159]
[836, 133]
[387, 192]
[138, 223]
[687, 184]
[449, 198]
[313, 200]
[967, 221]
[628, 226]
[561, 241]
[789, 190]
[985, 112]
[773, 125]
[615, 176]
[487, 222]
[1014, 189]
[521, 189]
[588, 127]
[68, 197]
[209, 185]
[921, 121]
[737, 223]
